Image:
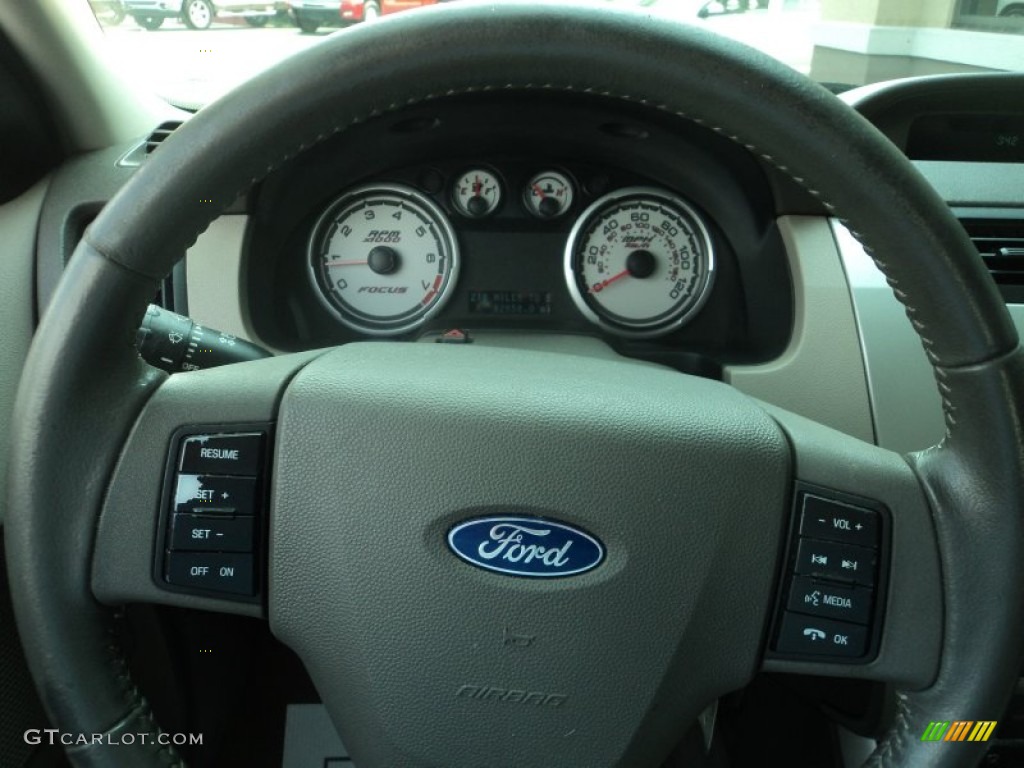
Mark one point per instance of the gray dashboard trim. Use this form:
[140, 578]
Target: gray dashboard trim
[905, 402]
[976, 184]
[216, 279]
[821, 374]
[18, 222]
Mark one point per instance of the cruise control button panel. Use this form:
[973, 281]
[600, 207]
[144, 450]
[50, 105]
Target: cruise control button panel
[830, 605]
[210, 530]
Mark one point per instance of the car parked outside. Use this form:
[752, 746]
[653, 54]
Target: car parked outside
[716, 7]
[1010, 8]
[199, 14]
[110, 13]
[310, 15]
[369, 10]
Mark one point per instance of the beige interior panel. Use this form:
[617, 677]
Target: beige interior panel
[215, 279]
[821, 374]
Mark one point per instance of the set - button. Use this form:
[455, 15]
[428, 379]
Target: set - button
[831, 597]
[212, 530]
[212, 533]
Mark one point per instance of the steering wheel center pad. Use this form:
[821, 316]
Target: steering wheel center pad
[380, 455]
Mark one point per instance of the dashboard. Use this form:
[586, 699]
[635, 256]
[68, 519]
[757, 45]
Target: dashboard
[792, 311]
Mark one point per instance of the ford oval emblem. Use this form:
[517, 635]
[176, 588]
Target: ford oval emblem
[525, 546]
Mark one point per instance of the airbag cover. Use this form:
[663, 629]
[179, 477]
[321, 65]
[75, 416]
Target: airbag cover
[383, 449]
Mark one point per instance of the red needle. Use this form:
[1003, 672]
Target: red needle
[345, 263]
[598, 287]
[539, 191]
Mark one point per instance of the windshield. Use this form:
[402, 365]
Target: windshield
[191, 51]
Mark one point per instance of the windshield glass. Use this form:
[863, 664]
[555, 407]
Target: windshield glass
[191, 51]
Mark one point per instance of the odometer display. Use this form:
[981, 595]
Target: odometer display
[383, 258]
[510, 302]
[639, 262]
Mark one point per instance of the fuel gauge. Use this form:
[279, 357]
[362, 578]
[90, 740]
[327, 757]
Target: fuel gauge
[548, 195]
[477, 193]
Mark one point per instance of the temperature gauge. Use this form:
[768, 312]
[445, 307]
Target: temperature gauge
[477, 193]
[548, 195]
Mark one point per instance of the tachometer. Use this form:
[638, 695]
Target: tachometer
[384, 259]
[639, 262]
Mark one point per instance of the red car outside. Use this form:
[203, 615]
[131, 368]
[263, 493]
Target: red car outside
[310, 15]
[368, 10]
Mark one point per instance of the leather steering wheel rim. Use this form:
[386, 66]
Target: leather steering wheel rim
[973, 479]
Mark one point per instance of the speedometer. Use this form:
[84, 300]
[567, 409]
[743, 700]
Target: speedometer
[383, 258]
[639, 262]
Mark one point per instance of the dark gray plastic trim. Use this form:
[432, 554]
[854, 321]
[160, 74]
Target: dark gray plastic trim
[18, 220]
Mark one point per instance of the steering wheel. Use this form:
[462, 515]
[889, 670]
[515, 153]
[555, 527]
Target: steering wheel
[407, 644]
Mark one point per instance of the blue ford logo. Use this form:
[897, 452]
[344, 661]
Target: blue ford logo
[525, 546]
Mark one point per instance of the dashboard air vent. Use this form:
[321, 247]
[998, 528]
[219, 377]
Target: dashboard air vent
[1001, 245]
[161, 132]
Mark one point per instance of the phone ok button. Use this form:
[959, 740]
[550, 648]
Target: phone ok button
[821, 637]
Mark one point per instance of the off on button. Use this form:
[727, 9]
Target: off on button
[220, 572]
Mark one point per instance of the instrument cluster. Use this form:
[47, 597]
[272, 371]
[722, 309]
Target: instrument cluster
[384, 258]
[512, 213]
